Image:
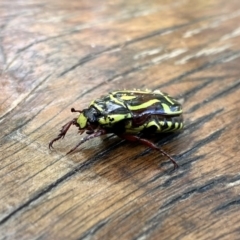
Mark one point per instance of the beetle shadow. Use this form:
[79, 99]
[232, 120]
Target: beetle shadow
[119, 160]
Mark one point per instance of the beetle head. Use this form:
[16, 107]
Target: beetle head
[87, 117]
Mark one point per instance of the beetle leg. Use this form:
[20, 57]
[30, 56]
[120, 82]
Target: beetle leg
[134, 138]
[62, 133]
[81, 131]
[89, 132]
[138, 121]
[98, 133]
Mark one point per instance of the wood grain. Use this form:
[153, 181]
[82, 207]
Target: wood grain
[55, 55]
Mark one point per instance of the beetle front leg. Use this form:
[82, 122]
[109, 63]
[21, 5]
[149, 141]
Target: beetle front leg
[134, 138]
[63, 132]
[98, 133]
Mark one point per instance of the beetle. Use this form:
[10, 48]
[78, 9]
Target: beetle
[129, 114]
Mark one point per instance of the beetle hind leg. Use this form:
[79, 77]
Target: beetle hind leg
[134, 138]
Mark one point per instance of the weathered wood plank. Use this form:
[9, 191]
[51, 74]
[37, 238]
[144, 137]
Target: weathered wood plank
[57, 55]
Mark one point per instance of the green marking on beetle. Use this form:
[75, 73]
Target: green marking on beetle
[144, 105]
[114, 99]
[82, 120]
[93, 103]
[116, 118]
[127, 98]
[168, 110]
[169, 100]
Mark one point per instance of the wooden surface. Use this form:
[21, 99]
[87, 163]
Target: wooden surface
[55, 55]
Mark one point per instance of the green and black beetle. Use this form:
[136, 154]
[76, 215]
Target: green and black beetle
[130, 114]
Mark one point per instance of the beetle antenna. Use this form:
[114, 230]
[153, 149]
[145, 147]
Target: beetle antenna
[74, 110]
